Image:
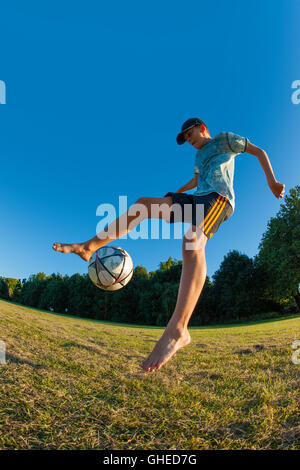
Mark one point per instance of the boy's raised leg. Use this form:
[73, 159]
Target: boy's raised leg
[192, 280]
[120, 227]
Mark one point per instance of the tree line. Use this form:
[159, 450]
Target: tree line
[243, 288]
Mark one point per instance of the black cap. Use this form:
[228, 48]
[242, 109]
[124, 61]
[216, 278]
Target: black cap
[187, 125]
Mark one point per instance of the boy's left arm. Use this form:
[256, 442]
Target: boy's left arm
[276, 187]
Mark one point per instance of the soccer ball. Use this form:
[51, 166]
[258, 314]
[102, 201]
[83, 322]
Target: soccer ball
[110, 268]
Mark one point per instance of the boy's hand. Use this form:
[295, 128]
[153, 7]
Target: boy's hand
[277, 189]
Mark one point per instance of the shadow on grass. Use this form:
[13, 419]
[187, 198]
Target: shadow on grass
[16, 360]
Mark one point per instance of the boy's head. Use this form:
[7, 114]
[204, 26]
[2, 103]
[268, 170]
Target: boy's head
[194, 131]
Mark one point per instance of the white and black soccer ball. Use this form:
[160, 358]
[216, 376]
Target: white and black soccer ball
[110, 268]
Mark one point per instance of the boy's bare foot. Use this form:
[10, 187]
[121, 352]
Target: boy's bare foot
[77, 248]
[164, 349]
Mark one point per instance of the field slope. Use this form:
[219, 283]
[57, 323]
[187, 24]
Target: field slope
[70, 383]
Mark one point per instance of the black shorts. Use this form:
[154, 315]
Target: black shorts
[215, 210]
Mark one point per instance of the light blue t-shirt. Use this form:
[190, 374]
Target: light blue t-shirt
[215, 165]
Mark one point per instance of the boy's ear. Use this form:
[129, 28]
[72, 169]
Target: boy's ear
[204, 129]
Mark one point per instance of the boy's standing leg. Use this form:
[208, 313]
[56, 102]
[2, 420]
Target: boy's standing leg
[193, 276]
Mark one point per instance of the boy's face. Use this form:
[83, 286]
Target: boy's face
[196, 136]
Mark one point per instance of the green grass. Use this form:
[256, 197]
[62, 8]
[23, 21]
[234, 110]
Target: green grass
[70, 383]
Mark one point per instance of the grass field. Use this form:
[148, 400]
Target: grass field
[70, 383]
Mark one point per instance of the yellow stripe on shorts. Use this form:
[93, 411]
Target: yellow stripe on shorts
[221, 206]
[211, 212]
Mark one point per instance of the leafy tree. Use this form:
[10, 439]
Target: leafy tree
[78, 300]
[204, 311]
[279, 250]
[14, 288]
[32, 290]
[54, 294]
[236, 289]
[140, 272]
[4, 294]
[169, 271]
[167, 302]
[125, 302]
[166, 265]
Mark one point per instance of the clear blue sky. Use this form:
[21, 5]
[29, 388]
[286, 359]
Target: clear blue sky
[96, 93]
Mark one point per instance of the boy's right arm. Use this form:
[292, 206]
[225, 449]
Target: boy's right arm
[276, 187]
[190, 185]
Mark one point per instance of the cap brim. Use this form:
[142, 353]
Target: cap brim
[180, 139]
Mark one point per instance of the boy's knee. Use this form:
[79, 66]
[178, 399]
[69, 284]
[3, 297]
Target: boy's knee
[156, 207]
[145, 202]
[194, 242]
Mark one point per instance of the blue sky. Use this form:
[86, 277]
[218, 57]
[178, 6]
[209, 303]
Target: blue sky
[96, 94]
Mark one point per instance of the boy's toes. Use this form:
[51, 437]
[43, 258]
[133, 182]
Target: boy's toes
[56, 246]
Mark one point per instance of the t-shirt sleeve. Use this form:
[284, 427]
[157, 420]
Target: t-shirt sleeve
[237, 143]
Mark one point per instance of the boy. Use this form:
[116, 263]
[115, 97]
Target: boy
[214, 170]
